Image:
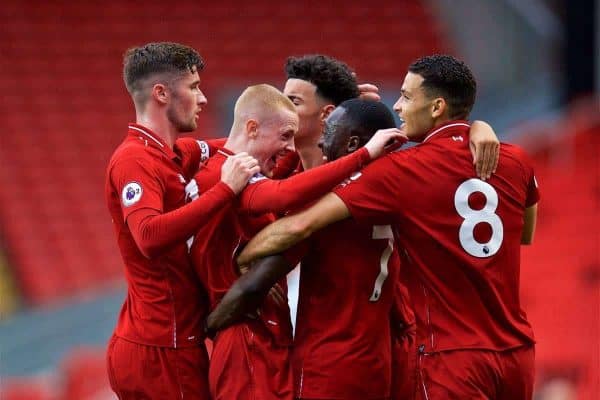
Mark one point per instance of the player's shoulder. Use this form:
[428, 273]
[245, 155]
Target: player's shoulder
[403, 155]
[131, 151]
[515, 153]
[204, 148]
[209, 173]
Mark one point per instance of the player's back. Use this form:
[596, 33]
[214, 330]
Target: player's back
[342, 342]
[462, 237]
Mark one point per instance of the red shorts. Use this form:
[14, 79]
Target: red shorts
[404, 366]
[477, 374]
[137, 371]
[245, 364]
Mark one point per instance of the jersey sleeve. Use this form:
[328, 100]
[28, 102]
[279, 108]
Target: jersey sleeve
[154, 231]
[532, 195]
[533, 192]
[286, 165]
[373, 196]
[195, 152]
[138, 184]
[264, 195]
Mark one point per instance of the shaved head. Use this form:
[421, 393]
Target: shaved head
[262, 103]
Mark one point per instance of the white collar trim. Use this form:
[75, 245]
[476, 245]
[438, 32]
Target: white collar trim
[444, 127]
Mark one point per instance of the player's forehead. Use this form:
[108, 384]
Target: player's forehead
[412, 83]
[280, 120]
[288, 120]
[299, 88]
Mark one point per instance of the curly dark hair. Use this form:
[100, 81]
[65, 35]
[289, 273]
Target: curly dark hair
[334, 80]
[142, 62]
[447, 77]
[366, 117]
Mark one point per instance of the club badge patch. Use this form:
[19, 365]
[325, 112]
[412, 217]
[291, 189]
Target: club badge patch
[131, 194]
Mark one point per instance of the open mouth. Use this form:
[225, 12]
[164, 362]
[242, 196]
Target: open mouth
[402, 124]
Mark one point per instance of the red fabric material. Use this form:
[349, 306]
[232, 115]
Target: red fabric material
[342, 346]
[165, 303]
[195, 152]
[460, 300]
[153, 232]
[404, 365]
[137, 371]
[213, 255]
[278, 196]
[475, 374]
[247, 365]
[287, 165]
[404, 347]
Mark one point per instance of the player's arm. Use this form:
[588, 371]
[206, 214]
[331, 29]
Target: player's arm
[248, 292]
[286, 232]
[194, 152]
[286, 165]
[485, 148]
[279, 196]
[153, 230]
[529, 225]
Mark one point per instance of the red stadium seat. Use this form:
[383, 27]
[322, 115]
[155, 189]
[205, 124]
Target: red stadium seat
[61, 134]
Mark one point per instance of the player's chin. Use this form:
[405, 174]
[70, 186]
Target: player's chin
[188, 127]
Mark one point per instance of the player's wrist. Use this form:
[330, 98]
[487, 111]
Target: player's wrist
[224, 189]
[363, 155]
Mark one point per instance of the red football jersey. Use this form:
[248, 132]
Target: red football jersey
[194, 152]
[165, 304]
[342, 346]
[213, 256]
[461, 236]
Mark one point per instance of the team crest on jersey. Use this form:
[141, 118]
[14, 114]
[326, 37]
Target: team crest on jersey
[131, 194]
[255, 178]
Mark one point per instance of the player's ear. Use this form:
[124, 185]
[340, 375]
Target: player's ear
[160, 93]
[438, 107]
[251, 128]
[325, 111]
[353, 144]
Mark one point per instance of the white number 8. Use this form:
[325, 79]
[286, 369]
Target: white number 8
[473, 217]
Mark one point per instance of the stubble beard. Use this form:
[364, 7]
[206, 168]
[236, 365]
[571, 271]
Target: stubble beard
[181, 125]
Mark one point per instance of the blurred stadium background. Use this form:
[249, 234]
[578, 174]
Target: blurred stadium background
[64, 109]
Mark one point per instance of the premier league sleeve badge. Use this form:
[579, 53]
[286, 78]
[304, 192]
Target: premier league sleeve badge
[131, 194]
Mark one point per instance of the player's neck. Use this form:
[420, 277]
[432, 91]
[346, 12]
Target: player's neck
[161, 126]
[235, 143]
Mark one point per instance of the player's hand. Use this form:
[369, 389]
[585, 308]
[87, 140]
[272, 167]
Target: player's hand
[485, 148]
[243, 269]
[278, 296]
[384, 139]
[237, 169]
[368, 92]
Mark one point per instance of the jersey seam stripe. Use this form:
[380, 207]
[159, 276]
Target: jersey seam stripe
[147, 134]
